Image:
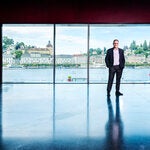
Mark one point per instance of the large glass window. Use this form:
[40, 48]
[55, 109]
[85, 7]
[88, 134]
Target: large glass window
[27, 53]
[71, 53]
[80, 50]
[134, 39]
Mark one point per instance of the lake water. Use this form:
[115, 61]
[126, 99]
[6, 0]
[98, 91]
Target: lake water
[99, 75]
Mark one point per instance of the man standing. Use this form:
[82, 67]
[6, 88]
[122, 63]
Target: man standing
[115, 61]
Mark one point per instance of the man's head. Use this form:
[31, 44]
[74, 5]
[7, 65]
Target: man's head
[115, 43]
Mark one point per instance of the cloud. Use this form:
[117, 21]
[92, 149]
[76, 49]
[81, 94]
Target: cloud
[30, 35]
[72, 38]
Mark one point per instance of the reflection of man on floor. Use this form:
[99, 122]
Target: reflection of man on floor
[114, 128]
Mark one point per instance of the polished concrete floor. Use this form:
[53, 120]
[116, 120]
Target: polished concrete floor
[74, 117]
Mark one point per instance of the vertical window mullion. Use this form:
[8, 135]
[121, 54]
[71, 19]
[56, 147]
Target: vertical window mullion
[1, 54]
[88, 38]
[54, 52]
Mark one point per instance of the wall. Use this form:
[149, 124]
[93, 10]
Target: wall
[75, 11]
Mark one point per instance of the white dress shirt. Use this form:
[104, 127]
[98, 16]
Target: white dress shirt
[116, 57]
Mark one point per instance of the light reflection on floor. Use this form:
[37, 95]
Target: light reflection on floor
[75, 116]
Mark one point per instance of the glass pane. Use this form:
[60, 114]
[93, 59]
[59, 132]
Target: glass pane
[27, 53]
[71, 53]
[134, 39]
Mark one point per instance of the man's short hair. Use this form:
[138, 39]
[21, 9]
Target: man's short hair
[115, 40]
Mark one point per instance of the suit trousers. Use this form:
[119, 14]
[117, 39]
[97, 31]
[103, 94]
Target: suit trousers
[112, 71]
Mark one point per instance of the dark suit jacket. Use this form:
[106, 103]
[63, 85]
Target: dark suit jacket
[109, 59]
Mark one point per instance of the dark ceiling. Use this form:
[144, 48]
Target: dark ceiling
[75, 11]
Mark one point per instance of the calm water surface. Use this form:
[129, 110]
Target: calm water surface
[78, 75]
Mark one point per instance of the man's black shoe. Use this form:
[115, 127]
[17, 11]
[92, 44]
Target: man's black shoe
[118, 94]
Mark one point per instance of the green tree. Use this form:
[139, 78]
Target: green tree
[146, 54]
[105, 50]
[133, 45]
[98, 51]
[149, 46]
[6, 42]
[91, 51]
[19, 45]
[17, 54]
[125, 47]
[139, 51]
[145, 47]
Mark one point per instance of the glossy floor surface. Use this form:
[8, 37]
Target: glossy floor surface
[74, 117]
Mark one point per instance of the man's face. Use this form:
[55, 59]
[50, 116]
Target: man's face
[116, 43]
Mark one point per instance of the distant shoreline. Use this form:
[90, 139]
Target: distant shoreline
[50, 67]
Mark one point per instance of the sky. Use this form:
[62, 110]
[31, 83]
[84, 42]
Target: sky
[72, 39]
